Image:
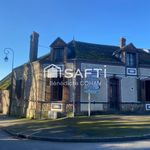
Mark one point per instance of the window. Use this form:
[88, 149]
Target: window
[18, 89]
[58, 56]
[57, 89]
[131, 59]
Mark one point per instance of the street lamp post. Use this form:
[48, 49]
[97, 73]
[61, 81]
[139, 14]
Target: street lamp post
[6, 52]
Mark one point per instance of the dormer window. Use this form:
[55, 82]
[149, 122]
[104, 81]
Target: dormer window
[58, 47]
[131, 59]
[58, 54]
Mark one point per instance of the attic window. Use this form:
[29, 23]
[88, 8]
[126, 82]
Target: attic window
[131, 59]
[58, 54]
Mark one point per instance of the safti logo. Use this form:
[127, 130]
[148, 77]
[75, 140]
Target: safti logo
[54, 71]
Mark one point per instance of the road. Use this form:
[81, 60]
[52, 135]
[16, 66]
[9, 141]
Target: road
[9, 143]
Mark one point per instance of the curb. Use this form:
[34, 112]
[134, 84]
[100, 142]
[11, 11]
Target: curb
[92, 140]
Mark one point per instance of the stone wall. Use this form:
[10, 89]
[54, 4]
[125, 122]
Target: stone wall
[31, 88]
[38, 109]
[4, 101]
[132, 107]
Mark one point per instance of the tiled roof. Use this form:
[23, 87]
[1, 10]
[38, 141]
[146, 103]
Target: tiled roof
[144, 57]
[96, 52]
[104, 53]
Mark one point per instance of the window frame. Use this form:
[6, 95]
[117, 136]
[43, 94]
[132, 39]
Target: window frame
[131, 59]
[58, 54]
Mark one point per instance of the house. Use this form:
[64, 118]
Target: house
[124, 87]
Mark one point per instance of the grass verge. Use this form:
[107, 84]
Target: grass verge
[94, 126]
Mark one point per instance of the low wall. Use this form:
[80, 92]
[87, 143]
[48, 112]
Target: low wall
[39, 109]
[132, 107]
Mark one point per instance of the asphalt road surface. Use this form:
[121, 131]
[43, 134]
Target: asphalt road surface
[9, 143]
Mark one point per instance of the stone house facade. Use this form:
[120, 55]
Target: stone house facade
[124, 88]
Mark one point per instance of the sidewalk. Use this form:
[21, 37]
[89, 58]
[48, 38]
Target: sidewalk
[72, 130]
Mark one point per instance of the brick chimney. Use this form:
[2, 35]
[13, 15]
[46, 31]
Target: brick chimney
[122, 42]
[34, 38]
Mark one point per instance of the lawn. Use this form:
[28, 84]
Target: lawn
[94, 126]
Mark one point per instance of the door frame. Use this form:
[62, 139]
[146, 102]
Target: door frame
[145, 90]
[142, 91]
[118, 89]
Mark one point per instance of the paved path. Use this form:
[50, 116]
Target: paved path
[9, 143]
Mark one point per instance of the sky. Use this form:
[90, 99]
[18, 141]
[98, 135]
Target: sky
[95, 21]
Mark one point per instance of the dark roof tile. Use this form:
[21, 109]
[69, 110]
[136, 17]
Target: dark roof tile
[95, 52]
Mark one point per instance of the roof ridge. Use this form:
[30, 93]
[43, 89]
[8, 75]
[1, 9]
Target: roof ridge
[92, 43]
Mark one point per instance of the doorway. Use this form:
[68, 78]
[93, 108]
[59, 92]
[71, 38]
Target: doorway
[114, 93]
[147, 90]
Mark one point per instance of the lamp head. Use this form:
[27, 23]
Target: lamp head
[6, 59]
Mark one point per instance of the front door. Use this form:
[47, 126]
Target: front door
[114, 93]
[147, 90]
